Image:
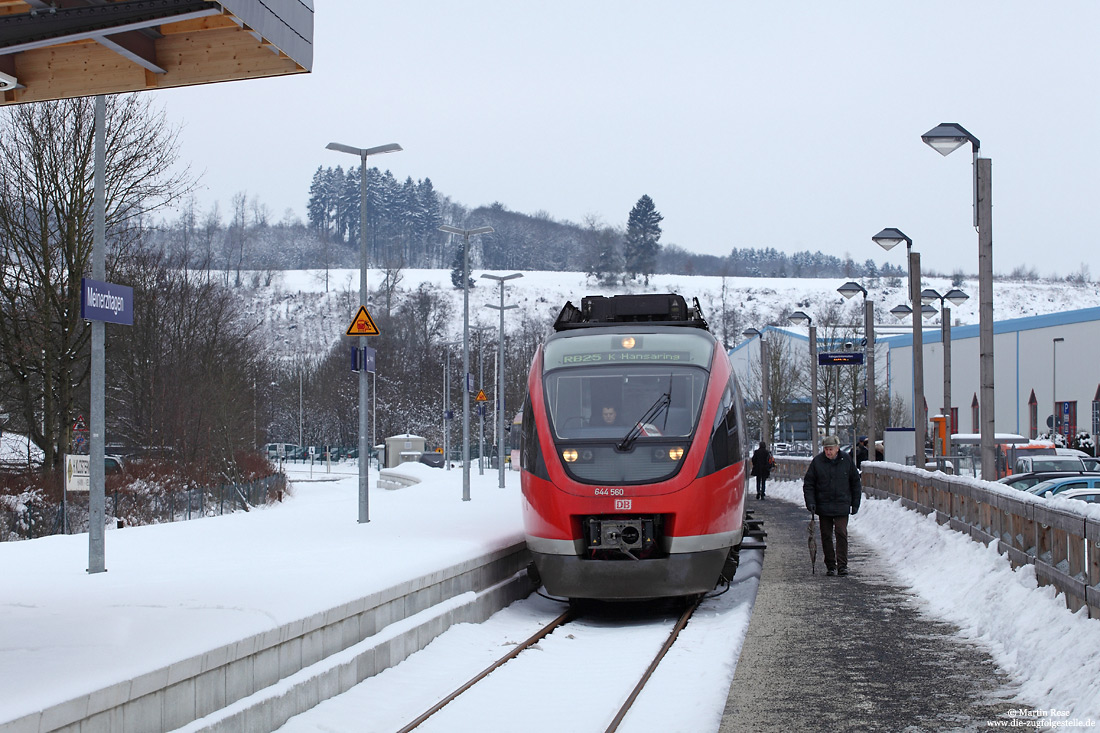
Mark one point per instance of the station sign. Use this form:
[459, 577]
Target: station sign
[840, 358]
[100, 301]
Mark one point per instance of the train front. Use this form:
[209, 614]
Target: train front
[633, 462]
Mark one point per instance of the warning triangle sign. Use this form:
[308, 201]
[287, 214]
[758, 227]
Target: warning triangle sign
[362, 324]
[481, 396]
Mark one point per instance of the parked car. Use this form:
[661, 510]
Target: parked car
[1033, 464]
[1025, 481]
[1092, 496]
[1058, 485]
[113, 464]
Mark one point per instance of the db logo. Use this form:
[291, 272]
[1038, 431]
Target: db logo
[623, 503]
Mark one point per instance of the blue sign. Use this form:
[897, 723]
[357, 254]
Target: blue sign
[108, 302]
[362, 359]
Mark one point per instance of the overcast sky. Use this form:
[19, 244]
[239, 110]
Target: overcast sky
[793, 125]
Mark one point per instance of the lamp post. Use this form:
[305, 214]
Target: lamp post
[466, 234]
[946, 138]
[447, 401]
[848, 290]
[955, 297]
[798, 318]
[480, 408]
[501, 279]
[765, 425]
[1054, 381]
[887, 239]
[364, 452]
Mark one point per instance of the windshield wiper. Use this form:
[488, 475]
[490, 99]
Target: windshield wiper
[651, 414]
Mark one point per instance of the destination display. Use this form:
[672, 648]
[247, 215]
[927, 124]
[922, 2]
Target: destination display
[840, 358]
[619, 357]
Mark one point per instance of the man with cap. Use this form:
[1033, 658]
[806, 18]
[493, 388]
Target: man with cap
[832, 491]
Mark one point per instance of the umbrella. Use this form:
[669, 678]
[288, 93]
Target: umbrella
[811, 538]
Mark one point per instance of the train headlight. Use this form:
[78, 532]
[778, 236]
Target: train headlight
[628, 342]
[668, 454]
[569, 454]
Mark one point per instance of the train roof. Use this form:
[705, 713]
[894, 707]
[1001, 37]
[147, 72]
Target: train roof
[653, 309]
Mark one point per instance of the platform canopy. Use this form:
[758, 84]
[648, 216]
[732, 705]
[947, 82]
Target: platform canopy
[53, 49]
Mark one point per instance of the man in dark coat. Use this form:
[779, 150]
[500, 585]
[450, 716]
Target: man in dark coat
[761, 467]
[832, 491]
[861, 452]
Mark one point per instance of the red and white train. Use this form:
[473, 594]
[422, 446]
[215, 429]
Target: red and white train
[633, 452]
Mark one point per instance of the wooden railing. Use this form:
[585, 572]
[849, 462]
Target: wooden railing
[1061, 541]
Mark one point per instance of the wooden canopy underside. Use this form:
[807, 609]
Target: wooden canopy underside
[88, 47]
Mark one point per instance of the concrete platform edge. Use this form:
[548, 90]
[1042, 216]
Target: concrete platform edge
[180, 693]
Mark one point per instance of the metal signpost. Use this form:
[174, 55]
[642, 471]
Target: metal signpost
[100, 302]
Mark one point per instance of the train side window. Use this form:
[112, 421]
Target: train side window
[530, 457]
[718, 454]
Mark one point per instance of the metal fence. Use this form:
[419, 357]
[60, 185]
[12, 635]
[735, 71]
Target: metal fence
[1061, 542]
[30, 514]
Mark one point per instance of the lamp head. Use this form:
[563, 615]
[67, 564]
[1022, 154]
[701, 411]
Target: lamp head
[929, 296]
[947, 137]
[890, 237]
[927, 311]
[956, 297]
[799, 318]
[750, 332]
[850, 288]
[901, 312]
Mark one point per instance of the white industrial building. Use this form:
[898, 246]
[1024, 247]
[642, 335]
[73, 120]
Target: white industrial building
[1038, 360]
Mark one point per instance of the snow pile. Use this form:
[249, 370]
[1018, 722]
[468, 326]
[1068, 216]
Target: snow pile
[1053, 654]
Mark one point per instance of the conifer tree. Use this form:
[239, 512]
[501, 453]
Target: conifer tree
[643, 232]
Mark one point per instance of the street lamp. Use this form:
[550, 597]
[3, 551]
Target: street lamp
[765, 391]
[848, 290]
[446, 400]
[887, 239]
[466, 234]
[1054, 382]
[501, 279]
[481, 408]
[364, 465]
[946, 138]
[955, 297]
[798, 318]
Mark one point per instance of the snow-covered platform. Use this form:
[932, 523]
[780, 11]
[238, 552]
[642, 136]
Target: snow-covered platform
[254, 615]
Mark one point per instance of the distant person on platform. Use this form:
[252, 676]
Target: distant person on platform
[761, 467]
[861, 452]
[832, 492]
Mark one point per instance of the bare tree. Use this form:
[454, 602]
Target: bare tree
[46, 223]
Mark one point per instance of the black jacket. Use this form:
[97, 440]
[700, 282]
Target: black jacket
[832, 487]
[761, 462]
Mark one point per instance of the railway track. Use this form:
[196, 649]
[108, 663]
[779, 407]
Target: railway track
[542, 633]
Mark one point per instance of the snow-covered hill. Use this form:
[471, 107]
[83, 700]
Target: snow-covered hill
[298, 316]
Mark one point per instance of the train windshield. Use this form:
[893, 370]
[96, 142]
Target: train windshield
[626, 387]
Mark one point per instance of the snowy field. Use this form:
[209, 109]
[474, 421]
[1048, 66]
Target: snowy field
[295, 297]
[176, 590]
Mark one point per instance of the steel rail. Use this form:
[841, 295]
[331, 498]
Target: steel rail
[653, 665]
[538, 636]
